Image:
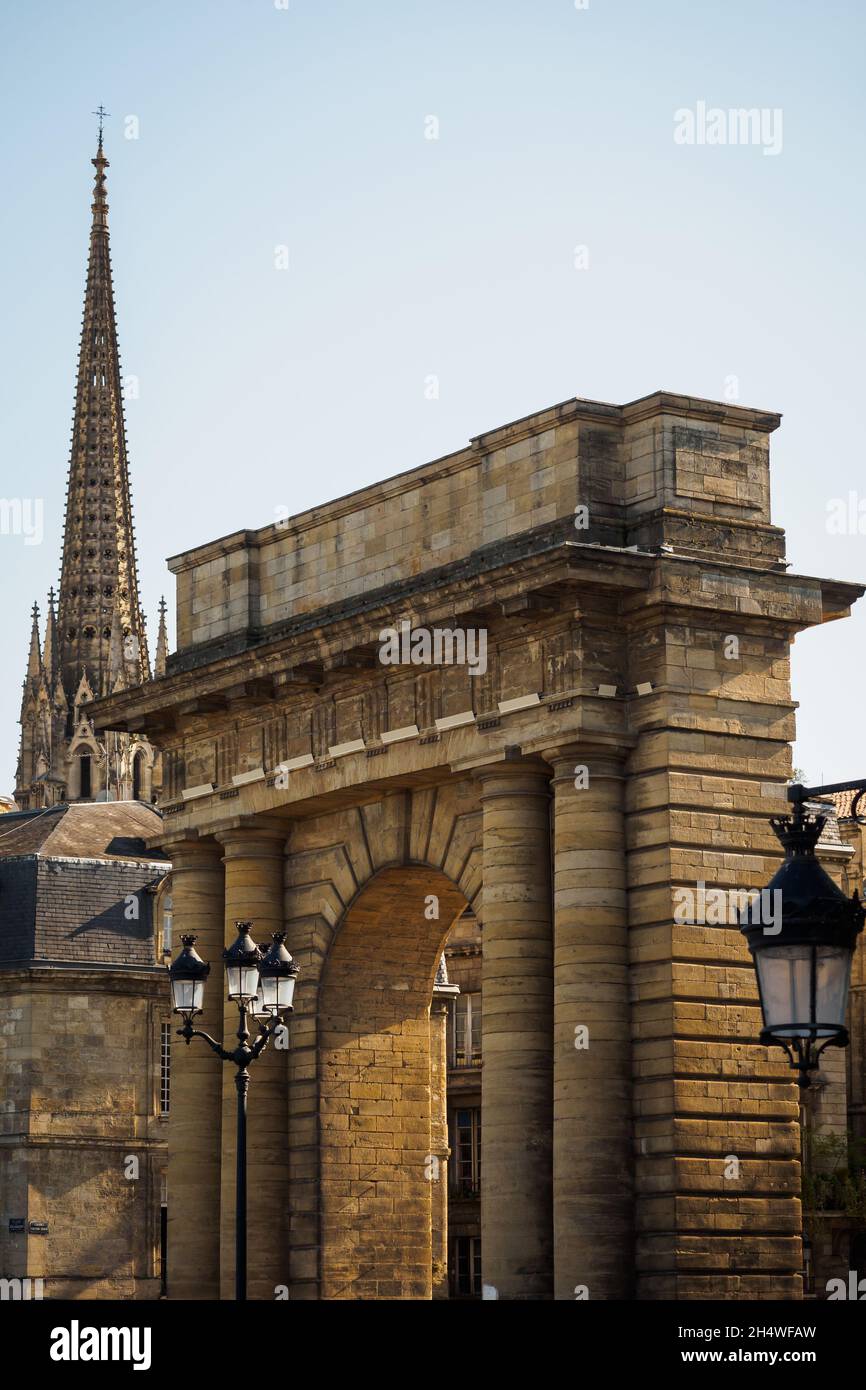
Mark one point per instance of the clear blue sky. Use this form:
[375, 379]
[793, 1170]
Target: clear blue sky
[305, 127]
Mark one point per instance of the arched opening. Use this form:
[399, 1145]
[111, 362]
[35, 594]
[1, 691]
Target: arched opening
[379, 1167]
[84, 776]
[137, 776]
[163, 916]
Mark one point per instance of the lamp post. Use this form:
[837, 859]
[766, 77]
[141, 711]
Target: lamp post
[262, 985]
[804, 966]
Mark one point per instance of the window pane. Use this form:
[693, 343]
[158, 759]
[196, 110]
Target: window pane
[466, 1151]
[460, 1008]
[475, 1006]
[466, 1265]
[165, 1069]
[476, 1264]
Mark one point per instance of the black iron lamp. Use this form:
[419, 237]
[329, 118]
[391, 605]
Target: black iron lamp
[188, 974]
[261, 985]
[278, 974]
[803, 954]
[241, 961]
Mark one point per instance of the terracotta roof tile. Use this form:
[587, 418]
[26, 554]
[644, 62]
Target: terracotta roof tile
[843, 802]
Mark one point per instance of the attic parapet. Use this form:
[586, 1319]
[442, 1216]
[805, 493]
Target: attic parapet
[663, 469]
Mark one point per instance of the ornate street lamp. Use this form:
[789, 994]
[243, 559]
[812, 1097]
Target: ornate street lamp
[188, 974]
[804, 965]
[262, 986]
[278, 974]
[242, 966]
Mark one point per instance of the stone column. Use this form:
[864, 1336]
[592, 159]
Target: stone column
[592, 1165]
[196, 1083]
[254, 864]
[517, 1031]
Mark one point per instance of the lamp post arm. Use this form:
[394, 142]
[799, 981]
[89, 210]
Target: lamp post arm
[266, 1032]
[798, 793]
[188, 1033]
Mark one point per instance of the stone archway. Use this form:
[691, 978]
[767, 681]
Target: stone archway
[377, 1164]
[609, 750]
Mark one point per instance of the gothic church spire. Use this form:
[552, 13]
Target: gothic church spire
[96, 642]
[99, 573]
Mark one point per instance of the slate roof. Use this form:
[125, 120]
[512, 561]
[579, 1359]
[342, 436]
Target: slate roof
[830, 837]
[77, 885]
[88, 830]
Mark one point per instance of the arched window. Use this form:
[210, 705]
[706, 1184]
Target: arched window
[84, 775]
[167, 920]
[137, 770]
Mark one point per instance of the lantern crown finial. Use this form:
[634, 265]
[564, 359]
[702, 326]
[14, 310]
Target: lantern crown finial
[278, 961]
[189, 962]
[799, 833]
[244, 950]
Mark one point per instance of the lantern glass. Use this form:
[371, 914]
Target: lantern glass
[187, 996]
[804, 989]
[278, 991]
[242, 981]
[833, 976]
[258, 1008]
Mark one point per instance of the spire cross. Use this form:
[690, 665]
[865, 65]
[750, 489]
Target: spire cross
[101, 113]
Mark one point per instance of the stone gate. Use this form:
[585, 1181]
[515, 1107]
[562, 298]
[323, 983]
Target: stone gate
[547, 677]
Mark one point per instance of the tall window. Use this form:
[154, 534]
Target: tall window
[137, 765]
[466, 1151]
[164, 1068]
[464, 1044]
[466, 1267]
[167, 918]
[84, 775]
[163, 1236]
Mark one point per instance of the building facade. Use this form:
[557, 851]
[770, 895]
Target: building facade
[546, 679]
[84, 1052]
[94, 640]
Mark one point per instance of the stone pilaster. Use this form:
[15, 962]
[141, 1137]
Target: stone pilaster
[516, 1096]
[254, 855]
[592, 1166]
[196, 1084]
[716, 1116]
